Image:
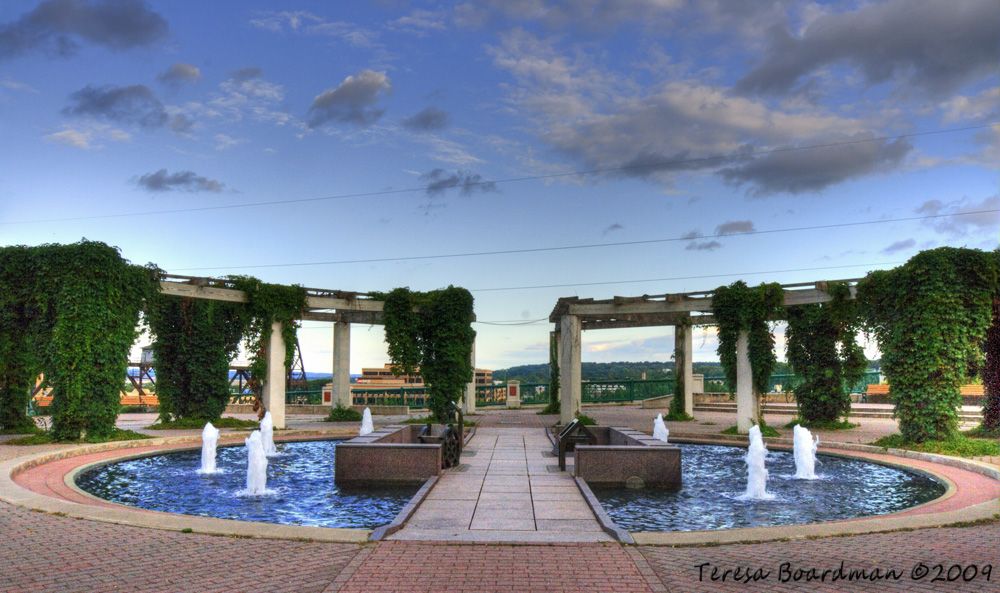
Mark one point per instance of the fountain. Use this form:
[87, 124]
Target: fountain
[267, 435]
[660, 430]
[256, 466]
[367, 427]
[209, 439]
[756, 472]
[805, 453]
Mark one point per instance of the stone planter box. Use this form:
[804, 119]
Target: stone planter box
[391, 455]
[626, 457]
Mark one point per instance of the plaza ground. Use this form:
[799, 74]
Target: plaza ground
[44, 552]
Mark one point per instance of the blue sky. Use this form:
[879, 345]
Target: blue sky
[700, 118]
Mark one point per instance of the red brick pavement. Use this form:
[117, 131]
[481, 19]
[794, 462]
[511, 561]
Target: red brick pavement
[409, 567]
[42, 553]
[901, 551]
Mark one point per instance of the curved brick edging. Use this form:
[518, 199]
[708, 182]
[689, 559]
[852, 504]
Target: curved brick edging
[54, 492]
[973, 494]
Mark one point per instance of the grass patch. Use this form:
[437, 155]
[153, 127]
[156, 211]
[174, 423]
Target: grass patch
[678, 417]
[980, 432]
[958, 445]
[45, 438]
[192, 423]
[342, 414]
[427, 419]
[25, 430]
[823, 424]
[765, 430]
[141, 409]
[551, 408]
[585, 419]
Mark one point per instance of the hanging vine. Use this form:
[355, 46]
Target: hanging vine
[268, 304]
[553, 405]
[931, 317]
[991, 372]
[738, 308]
[431, 332]
[823, 350]
[194, 341]
[70, 312]
[677, 403]
[19, 362]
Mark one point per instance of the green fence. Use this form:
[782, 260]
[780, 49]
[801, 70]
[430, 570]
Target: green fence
[625, 391]
[312, 397]
[413, 397]
[785, 383]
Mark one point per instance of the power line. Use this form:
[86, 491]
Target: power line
[589, 245]
[487, 182]
[701, 277]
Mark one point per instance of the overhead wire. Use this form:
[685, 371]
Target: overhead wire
[491, 182]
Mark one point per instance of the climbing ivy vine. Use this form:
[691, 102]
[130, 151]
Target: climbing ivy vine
[931, 317]
[268, 304]
[194, 341]
[738, 308]
[677, 402]
[70, 312]
[823, 350]
[431, 332]
[991, 371]
[553, 405]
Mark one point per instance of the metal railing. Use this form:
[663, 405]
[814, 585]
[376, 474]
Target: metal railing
[785, 383]
[310, 397]
[625, 391]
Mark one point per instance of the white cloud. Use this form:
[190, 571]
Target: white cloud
[964, 218]
[88, 136]
[976, 107]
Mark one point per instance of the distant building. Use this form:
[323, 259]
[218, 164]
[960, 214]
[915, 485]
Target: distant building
[384, 378]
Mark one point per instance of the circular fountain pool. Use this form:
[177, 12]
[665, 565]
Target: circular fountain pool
[299, 481]
[714, 476]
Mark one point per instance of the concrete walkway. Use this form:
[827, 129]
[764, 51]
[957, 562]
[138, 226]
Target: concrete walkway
[508, 488]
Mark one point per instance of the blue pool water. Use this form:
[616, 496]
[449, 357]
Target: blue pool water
[300, 481]
[713, 476]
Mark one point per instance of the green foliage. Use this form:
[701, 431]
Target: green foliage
[431, 420]
[930, 316]
[432, 331]
[190, 423]
[194, 340]
[585, 419]
[955, 444]
[342, 414]
[70, 312]
[268, 304]
[765, 430]
[991, 372]
[824, 352]
[553, 373]
[552, 407]
[677, 402]
[678, 417]
[47, 437]
[822, 424]
[738, 308]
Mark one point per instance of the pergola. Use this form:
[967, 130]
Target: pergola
[683, 311]
[342, 308]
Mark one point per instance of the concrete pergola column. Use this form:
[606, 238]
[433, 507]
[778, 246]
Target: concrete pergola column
[570, 385]
[342, 364]
[683, 364]
[469, 400]
[746, 403]
[273, 392]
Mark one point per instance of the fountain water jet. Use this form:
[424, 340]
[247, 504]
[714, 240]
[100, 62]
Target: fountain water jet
[267, 436]
[209, 440]
[660, 430]
[805, 453]
[367, 426]
[256, 466]
[756, 472]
